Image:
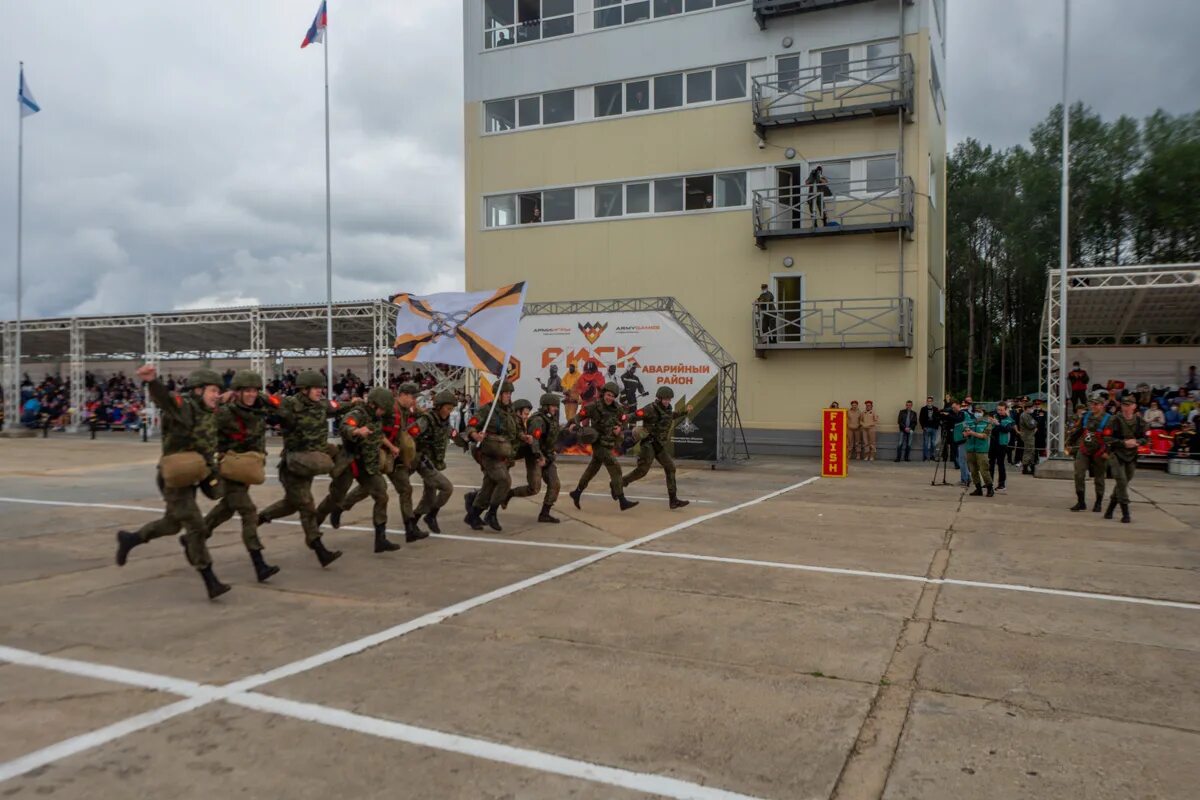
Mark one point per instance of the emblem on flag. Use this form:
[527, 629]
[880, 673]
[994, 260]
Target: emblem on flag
[467, 329]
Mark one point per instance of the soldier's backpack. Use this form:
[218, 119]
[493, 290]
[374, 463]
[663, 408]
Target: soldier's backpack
[1092, 443]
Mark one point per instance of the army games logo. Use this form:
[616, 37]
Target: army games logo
[592, 330]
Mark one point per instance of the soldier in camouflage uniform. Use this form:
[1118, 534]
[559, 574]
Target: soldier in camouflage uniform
[657, 420]
[1128, 431]
[188, 426]
[1086, 440]
[431, 432]
[302, 417]
[362, 433]
[241, 428]
[606, 418]
[541, 456]
[496, 447]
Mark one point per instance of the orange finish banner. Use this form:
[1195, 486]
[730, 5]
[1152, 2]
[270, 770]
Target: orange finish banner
[833, 443]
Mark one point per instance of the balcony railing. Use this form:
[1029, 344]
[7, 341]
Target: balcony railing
[856, 322]
[766, 9]
[873, 205]
[863, 88]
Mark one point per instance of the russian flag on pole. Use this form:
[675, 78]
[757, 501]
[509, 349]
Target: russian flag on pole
[25, 98]
[316, 33]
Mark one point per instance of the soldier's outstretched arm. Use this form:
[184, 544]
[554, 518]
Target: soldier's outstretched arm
[168, 404]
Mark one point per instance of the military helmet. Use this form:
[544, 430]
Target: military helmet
[588, 435]
[310, 379]
[611, 387]
[503, 387]
[550, 399]
[664, 393]
[204, 377]
[522, 404]
[408, 387]
[246, 379]
[381, 397]
[1097, 397]
[445, 398]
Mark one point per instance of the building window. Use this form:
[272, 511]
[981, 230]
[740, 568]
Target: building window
[529, 208]
[668, 91]
[500, 211]
[697, 5]
[731, 189]
[731, 81]
[698, 193]
[637, 96]
[838, 175]
[637, 198]
[525, 112]
[881, 59]
[610, 13]
[558, 107]
[881, 174]
[499, 115]
[668, 195]
[608, 99]
[699, 86]
[935, 82]
[666, 8]
[835, 65]
[507, 22]
[529, 111]
[609, 200]
[558, 205]
[933, 187]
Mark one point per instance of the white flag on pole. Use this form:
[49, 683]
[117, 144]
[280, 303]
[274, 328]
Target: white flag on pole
[466, 329]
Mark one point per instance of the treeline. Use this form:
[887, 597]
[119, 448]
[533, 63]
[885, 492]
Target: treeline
[1135, 199]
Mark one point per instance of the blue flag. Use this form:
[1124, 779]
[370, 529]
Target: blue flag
[25, 98]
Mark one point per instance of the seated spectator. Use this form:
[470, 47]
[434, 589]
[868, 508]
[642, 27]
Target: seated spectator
[1155, 419]
[1173, 419]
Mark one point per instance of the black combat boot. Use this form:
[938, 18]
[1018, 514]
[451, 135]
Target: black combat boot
[214, 587]
[431, 521]
[990, 492]
[508, 496]
[1080, 503]
[1112, 504]
[469, 502]
[411, 532]
[474, 519]
[126, 541]
[492, 520]
[978, 491]
[262, 570]
[675, 502]
[1125, 513]
[1096, 506]
[545, 515]
[382, 545]
[626, 504]
[326, 557]
[263, 520]
[335, 517]
[575, 496]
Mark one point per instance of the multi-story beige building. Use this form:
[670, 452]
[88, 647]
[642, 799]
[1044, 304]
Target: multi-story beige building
[628, 148]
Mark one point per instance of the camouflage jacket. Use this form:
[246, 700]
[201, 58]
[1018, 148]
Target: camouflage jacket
[431, 436]
[603, 419]
[504, 423]
[545, 431]
[242, 429]
[1087, 433]
[363, 449]
[303, 422]
[187, 424]
[657, 421]
[1121, 429]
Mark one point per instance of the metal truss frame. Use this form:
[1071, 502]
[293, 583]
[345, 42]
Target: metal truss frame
[731, 439]
[12, 377]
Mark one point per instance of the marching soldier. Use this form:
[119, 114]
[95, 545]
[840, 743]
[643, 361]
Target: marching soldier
[868, 424]
[305, 455]
[241, 434]
[657, 420]
[543, 431]
[431, 433]
[189, 440]
[1087, 440]
[362, 431]
[1128, 432]
[496, 447]
[605, 418]
[853, 424]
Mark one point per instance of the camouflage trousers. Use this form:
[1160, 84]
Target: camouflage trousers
[297, 497]
[496, 483]
[650, 452]
[235, 499]
[535, 476]
[182, 513]
[436, 490]
[977, 463]
[1083, 465]
[374, 487]
[1122, 473]
[602, 457]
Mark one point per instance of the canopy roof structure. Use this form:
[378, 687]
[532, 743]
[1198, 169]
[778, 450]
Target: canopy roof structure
[1149, 305]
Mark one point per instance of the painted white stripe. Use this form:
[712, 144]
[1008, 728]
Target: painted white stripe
[657, 785]
[749, 562]
[608, 496]
[1112, 598]
[87, 669]
[86, 741]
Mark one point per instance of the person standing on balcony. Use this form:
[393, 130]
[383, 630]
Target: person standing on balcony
[765, 303]
[853, 424]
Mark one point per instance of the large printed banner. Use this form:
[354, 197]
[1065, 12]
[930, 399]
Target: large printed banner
[576, 354]
[833, 443]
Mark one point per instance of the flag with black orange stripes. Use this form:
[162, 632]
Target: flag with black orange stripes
[466, 329]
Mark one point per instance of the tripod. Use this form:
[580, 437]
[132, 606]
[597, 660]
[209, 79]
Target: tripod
[942, 458]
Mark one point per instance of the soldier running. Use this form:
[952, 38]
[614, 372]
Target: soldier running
[605, 418]
[362, 432]
[305, 438]
[189, 429]
[541, 456]
[431, 432]
[1129, 431]
[657, 420]
[1087, 440]
[242, 429]
[496, 447]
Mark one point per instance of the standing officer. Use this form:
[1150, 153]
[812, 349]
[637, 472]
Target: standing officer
[242, 429]
[1128, 432]
[978, 433]
[605, 418]
[1087, 439]
[657, 420]
[853, 423]
[1028, 426]
[868, 422]
[541, 459]
[362, 432]
[189, 440]
[305, 438]
[431, 432]
[1041, 436]
[906, 420]
[496, 447]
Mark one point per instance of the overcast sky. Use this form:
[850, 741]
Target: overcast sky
[178, 160]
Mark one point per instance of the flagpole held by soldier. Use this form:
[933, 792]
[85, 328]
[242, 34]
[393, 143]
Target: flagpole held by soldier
[497, 436]
[657, 421]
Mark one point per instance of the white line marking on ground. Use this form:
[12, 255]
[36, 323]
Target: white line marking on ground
[651, 784]
[88, 669]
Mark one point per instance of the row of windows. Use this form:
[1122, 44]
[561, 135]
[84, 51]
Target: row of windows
[661, 196]
[610, 13]
[659, 93]
[507, 22]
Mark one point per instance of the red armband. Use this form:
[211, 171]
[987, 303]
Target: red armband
[178, 401]
[414, 431]
[583, 413]
[334, 405]
[352, 422]
[273, 400]
[537, 434]
[474, 422]
[640, 413]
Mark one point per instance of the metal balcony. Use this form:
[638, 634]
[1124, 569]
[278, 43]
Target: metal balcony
[863, 206]
[767, 9]
[857, 322]
[868, 87]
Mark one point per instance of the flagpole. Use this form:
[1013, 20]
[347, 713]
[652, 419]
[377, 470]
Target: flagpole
[328, 235]
[15, 387]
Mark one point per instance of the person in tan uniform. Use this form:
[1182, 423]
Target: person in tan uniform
[853, 422]
[868, 422]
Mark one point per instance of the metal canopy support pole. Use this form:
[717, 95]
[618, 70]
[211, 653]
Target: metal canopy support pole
[258, 344]
[1054, 349]
[1064, 241]
[12, 381]
[153, 350]
[78, 388]
[381, 345]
